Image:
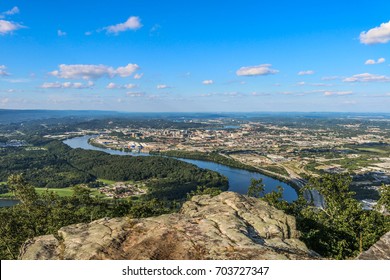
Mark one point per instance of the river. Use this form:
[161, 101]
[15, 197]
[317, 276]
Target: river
[8, 202]
[239, 179]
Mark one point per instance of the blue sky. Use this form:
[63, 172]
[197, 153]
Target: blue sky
[232, 56]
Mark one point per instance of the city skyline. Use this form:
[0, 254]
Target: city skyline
[142, 56]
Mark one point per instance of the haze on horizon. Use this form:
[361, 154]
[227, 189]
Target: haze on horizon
[195, 56]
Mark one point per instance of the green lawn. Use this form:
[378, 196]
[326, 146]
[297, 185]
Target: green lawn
[105, 181]
[6, 195]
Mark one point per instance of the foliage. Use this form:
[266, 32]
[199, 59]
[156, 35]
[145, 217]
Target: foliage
[44, 214]
[337, 230]
[342, 228]
[384, 200]
[275, 198]
[60, 166]
[256, 188]
[204, 190]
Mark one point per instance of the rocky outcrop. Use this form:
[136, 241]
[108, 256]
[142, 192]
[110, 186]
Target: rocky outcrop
[227, 226]
[379, 251]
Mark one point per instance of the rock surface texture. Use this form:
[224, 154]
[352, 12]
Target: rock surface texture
[227, 226]
[379, 251]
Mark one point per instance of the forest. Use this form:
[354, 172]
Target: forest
[56, 165]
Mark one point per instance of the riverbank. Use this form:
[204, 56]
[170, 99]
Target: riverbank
[238, 175]
[225, 160]
[214, 157]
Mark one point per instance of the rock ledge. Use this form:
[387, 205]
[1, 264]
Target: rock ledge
[227, 226]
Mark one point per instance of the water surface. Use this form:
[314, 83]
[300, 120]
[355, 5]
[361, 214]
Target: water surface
[239, 179]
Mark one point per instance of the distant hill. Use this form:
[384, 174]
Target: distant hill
[14, 116]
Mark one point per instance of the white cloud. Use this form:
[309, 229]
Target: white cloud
[376, 35]
[91, 71]
[381, 60]
[130, 86]
[111, 86]
[162, 86]
[307, 72]
[13, 11]
[208, 82]
[127, 70]
[301, 83]
[2, 71]
[138, 76]
[135, 94]
[8, 26]
[330, 93]
[372, 61]
[88, 33]
[115, 86]
[61, 33]
[132, 23]
[259, 70]
[367, 77]
[67, 85]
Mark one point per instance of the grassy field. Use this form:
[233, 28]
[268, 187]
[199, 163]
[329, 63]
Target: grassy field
[108, 182]
[374, 150]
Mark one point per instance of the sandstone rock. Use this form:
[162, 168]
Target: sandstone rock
[227, 226]
[379, 251]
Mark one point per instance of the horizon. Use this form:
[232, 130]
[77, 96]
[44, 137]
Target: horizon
[197, 56]
[194, 112]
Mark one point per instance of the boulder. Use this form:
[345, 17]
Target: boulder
[379, 251]
[227, 226]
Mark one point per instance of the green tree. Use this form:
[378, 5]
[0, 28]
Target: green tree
[22, 190]
[338, 229]
[275, 198]
[202, 190]
[256, 188]
[384, 200]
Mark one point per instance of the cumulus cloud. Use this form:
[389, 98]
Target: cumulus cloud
[372, 61]
[132, 23]
[380, 34]
[259, 70]
[330, 93]
[208, 82]
[9, 27]
[127, 70]
[307, 72]
[67, 85]
[61, 33]
[3, 71]
[367, 77]
[115, 86]
[92, 72]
